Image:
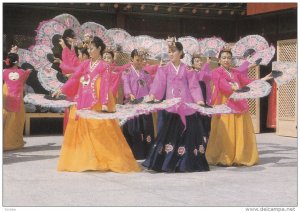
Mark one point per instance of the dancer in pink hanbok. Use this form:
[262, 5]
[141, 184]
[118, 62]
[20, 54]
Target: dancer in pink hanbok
[13, 111]
[179, 146]
[232, 140]
[68, 64]
[139, 132]
[204, 73]
[91, 144]
[116, 71]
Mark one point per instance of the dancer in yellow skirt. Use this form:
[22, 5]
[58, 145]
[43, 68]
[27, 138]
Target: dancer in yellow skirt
[232, 140]
[91, 144]
[13, 111]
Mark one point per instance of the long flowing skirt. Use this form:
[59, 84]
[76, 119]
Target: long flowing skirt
[160, 119]
[206, 120]
[139, 134]
[13, 127]
[232, 141]
[66, 118]
[177, 149]
[91, 144]
[206, 123]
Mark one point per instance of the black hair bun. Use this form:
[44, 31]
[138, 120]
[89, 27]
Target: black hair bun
[55, 39]
[68, 33]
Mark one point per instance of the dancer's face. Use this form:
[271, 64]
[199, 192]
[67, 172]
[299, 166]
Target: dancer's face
[82, 57]
[107, 57]
[225, 60]
[174, 55]
[138, 62]
[94, 51]
[198, 63]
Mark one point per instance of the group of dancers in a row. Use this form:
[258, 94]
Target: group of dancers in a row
[185, 140]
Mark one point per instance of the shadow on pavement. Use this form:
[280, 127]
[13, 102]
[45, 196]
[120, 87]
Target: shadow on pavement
[22, 155]
[276, 152]
[271, 154]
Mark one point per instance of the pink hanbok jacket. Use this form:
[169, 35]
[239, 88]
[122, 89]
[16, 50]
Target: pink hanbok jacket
[82, 85]
[69, 61]
[221, 79]
[136, 82]
[14, 78]
[174, 83]
[70, 57]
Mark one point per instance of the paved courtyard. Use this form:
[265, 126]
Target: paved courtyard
[30, 179]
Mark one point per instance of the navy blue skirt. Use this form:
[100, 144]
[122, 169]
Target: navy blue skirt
[206, 124]
[160, 119]
[206, 120]
[139, 134]
[176, 149]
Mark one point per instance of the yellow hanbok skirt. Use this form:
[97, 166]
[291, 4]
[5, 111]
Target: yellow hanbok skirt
[13, 126]
[232, 141]
[91, 144]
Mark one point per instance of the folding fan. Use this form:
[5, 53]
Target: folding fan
[46, 30]
[70, 22]
[129, 111]
[39, 54]
[98, 30]
[144, 41]
[48, 78]
[129, 45]
[190, 44]
[39, 99]
[256, 89]
[255, 43]
[159, 49]
[210, 47]
[119, 36]
[265, 55]
[216, 109]
[286, 71]
[25, 56]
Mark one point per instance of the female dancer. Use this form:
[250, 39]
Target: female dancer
[70, 59]
[91, 144]
[139, 132]
[179, 144]
[232, 140]
[13, 112]
[116, 71]
[204, 78]
[68, 65]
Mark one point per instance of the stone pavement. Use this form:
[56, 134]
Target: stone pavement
[30, 179]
